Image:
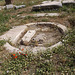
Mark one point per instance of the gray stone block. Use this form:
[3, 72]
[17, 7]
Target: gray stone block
[50, 5]
[68, 2]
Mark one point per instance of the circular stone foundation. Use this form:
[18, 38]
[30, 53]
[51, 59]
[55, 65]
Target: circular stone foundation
[38, 37]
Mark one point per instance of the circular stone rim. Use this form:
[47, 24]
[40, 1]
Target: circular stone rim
[62, 28]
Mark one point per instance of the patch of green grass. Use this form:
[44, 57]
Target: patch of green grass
[44, 20]
[21, 12]
[30, 18]
[70, 38]
[3, 28]
[68, 8]
[2, 42]
[16, 66]
[3, 20]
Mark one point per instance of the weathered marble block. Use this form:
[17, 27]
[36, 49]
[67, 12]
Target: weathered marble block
[28, 36]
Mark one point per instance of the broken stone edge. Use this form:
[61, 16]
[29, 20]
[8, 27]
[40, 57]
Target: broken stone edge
[35, 50]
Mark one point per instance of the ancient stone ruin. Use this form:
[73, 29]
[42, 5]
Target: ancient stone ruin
[34, 37]
[47, 5]
[52, 5]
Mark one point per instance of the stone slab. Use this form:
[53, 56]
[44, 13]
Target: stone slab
[20, 35]
[12, 33]
[50, 5]
[28, 36]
